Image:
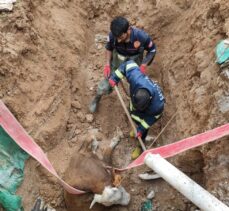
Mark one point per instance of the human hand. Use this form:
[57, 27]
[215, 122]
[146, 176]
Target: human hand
[112, 82]
[107, 71]
[139, 134]
[143, 68]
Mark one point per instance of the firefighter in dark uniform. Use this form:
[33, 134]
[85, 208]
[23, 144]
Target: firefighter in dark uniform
[147, 100]
[124, 42]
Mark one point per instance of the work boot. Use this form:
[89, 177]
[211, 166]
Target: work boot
[136, 152]
[132, 134]
[94, 103]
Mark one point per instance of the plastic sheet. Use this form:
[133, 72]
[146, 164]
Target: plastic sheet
[222, 51]
[12, 161]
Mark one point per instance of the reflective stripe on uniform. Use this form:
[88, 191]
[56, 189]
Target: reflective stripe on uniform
[131, 65]
[119, 74]
[142, 121]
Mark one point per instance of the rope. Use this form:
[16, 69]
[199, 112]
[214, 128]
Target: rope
[162, 130]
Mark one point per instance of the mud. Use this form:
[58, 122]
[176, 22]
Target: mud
[51, 62]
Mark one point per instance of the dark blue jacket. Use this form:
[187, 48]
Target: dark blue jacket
[137, 80]
[139, 41]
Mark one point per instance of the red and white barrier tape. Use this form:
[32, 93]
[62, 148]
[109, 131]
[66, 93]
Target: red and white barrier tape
[183, 145]
[21, 137]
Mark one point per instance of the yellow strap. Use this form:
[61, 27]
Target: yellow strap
[131, 65]
[142, 121]
[119, 74]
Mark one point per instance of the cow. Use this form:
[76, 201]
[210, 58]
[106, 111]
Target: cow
[88, 171]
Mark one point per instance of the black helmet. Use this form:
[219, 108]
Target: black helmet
[141, 99]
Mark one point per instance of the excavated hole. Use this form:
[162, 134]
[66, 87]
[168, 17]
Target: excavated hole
[48, 89]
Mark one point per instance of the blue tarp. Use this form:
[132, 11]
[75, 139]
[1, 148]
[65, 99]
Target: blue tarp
[222, 52]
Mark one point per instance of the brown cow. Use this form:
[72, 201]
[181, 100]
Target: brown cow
[87, 171]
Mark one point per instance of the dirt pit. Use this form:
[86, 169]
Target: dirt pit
[51, 63]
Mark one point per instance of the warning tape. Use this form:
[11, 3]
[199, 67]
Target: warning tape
[21, 137]
[183, 145]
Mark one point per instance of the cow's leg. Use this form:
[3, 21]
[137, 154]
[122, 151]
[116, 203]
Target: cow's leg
[114, 142]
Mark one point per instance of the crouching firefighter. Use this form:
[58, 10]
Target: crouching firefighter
[147, 100]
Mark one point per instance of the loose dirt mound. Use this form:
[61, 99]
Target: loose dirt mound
[50, 65]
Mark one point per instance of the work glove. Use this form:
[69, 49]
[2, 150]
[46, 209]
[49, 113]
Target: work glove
[107, 71]
[143, 68]
[112, 82]
[139, 134]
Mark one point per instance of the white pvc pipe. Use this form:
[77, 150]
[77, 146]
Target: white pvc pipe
[195, 193]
